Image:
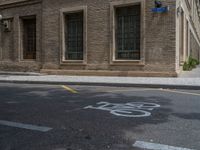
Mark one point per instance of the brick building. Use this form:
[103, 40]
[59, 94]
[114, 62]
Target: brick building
[98, 37]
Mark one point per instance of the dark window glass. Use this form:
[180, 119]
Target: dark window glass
[74, 36]
[128, 32]
[29, 38]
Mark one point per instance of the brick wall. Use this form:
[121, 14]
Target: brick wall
[159, 36]
[11, 46]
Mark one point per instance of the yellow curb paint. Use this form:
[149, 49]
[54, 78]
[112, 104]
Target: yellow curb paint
[180, 92]
[69, 89]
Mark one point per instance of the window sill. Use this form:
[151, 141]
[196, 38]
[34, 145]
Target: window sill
[128, 62]
[73, 62]
[28, 60]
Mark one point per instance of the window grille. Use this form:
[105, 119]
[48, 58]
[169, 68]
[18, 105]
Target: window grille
[29, 38]
[128, 32]
[74, 36]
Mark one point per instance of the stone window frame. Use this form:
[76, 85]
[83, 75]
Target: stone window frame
[63, 12]
[21, 51]
[124, 3]
[2, 31]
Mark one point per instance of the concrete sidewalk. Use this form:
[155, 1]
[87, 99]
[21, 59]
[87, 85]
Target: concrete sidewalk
[195, 73]
[108, 81]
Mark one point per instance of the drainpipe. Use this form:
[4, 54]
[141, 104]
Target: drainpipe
[1, 24]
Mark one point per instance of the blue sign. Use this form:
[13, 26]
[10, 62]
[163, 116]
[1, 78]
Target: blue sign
[160, 10]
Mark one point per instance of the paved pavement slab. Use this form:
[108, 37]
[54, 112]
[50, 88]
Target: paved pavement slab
[195, 73]
[105, 81]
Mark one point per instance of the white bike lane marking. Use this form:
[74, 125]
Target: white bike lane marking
[25, 126]
[154, 146]
[131, 109]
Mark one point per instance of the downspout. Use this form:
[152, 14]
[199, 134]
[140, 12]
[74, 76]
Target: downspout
[177, 66]
[1, 52]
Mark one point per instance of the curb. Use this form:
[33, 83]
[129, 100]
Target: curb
[194, 87]
[19, 73]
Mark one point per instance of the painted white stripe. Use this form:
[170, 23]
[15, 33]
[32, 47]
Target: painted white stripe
[153, 146]
[180, 92]
[131, 90]
[163, 90]
[24, 126]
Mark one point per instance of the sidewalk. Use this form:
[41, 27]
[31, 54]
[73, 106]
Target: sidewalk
[187, 79]
[195, 73]
[108, 81]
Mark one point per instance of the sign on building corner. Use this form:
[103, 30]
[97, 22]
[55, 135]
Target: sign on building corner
[159, 8]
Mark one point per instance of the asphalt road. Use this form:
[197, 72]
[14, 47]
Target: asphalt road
[50, 117]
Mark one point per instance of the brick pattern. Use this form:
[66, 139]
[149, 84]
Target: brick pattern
[159, 37]
[11, 44]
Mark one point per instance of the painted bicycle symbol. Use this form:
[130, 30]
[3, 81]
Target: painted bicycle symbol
[132, 109]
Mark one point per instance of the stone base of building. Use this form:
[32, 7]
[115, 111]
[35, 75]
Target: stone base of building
[20, 66]
[108, 73]
[31, 66]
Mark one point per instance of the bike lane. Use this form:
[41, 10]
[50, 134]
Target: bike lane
[173, 121]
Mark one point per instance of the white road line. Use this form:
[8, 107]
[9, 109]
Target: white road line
[25, 126]
[154, 146]
[131, 90]
[162, 90]
[180, 92]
